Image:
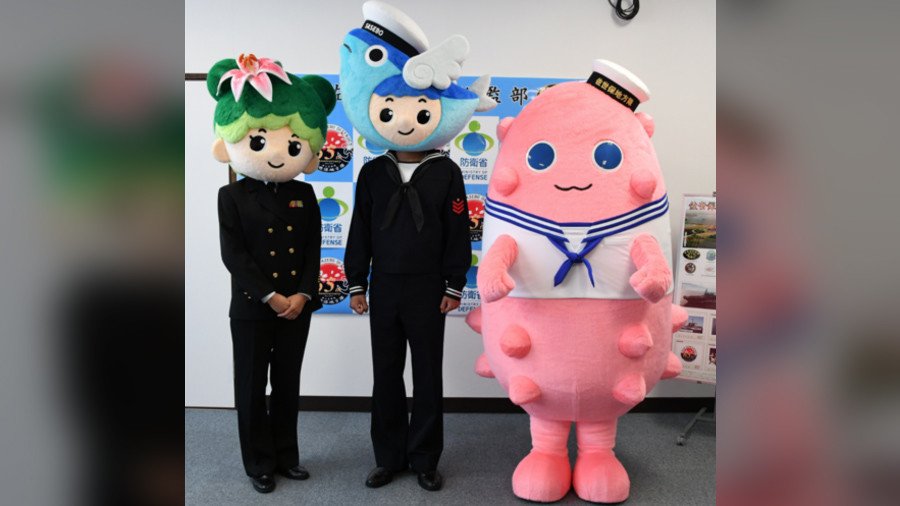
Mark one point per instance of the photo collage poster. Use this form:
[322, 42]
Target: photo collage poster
[695, 290]
[474, 149]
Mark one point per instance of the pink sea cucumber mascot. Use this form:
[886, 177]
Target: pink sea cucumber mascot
[577, 280]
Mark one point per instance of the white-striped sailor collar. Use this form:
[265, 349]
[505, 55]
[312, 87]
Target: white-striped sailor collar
[602, 228]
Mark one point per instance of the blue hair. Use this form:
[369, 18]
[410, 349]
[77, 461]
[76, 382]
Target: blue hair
[396, 86]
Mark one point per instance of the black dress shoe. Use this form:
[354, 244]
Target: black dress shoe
[297, 472]
[263, 483]
[379, 477]
[431, 480]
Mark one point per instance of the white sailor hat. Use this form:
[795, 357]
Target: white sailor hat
[619, 83]
[394, 26]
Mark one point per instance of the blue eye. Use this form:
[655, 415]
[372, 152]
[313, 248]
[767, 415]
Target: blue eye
[607, 155]
[541, 156]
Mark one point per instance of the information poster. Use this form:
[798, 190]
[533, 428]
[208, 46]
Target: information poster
[695, 290]
[474, 149]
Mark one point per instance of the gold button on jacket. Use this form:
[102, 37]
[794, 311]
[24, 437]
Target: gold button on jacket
[269, 243]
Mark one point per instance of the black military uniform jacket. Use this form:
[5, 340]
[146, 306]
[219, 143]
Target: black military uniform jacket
[271, 238]
[419, 227]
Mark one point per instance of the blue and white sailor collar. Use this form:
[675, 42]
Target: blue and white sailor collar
[595, 232]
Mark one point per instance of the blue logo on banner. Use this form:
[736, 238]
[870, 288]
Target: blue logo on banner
[474, 142]
[330, 207]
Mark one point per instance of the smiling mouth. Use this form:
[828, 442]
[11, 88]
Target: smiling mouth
[275, 166]
[570, 188]
[406, 133]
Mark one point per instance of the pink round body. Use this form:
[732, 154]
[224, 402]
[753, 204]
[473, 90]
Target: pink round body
[587, 345]
[574, 357]
[576, 281]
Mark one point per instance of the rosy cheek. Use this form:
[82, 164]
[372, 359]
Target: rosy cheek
[643, 183]
[505, 180]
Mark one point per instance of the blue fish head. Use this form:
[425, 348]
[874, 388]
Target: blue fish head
[369, 63]
[360, 75]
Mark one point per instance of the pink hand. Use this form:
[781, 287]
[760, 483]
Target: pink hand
[652, 282]
[494, 281]
[497, 287]
[653, 277]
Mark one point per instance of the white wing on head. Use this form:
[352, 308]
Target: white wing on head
[439, 66]
[480, 87]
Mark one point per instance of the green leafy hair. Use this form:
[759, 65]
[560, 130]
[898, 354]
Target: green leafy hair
[303, 106]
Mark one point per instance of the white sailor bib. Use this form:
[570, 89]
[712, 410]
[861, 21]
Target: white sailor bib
[576, 260]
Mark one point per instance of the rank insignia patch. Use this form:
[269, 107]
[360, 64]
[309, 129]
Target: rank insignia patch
[295, 203]
[458, 207]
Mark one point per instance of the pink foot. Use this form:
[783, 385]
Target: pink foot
[600, 477]
[542, 477]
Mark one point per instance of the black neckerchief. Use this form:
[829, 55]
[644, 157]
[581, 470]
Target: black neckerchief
[407, 189]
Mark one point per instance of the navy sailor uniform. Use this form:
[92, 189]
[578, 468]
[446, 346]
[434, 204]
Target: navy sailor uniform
[414, 239]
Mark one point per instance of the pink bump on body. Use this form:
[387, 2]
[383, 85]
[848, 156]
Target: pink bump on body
[523, 390]
[482, 368]
[515, 342]
[643, 182]
[473, 319]
[635, 341]
[673, 367]
[630, 390]
[679, 317]
[505, 180]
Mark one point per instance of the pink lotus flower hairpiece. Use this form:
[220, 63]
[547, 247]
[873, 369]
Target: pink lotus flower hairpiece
[255, 71]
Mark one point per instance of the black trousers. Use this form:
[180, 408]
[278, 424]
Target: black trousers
[268, 349]
[406, 309]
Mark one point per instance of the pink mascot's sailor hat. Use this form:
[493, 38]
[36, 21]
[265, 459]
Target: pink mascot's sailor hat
[619, 83]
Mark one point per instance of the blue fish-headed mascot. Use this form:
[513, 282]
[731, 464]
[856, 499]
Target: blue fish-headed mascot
[388, 60]
[409, 235]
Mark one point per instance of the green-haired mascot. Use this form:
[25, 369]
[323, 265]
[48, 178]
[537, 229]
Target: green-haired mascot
[269, 126]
